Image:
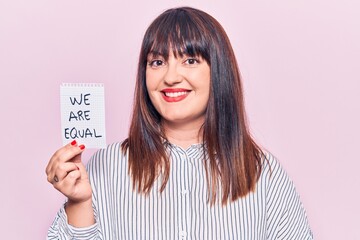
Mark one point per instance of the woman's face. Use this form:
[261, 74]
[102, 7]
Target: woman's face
[179, 87]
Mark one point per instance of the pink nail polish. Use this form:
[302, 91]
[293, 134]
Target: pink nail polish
[73, 142]
[82, 147]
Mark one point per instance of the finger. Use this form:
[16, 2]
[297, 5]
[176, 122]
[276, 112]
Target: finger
[68, 152]
[62, 171]
[68, 184]
[64, 154]
[57, 155]
[82, 170]
[77, 158]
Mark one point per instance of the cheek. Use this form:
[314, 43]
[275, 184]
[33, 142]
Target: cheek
[204, 85]
[201, 79]
[152, 81]
[148, 86]
[147, 81]
[151, 90]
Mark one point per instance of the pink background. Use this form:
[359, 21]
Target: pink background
[300, 63]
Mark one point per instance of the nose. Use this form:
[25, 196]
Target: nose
[172, 75]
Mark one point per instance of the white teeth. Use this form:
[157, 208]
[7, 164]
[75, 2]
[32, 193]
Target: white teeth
[174, 94]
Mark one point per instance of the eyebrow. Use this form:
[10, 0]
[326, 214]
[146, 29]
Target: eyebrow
[178, 54]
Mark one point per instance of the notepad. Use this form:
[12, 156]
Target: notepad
[83, 114]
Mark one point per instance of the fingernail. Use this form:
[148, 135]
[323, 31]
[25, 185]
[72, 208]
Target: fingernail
[73, 142]
[82, 146]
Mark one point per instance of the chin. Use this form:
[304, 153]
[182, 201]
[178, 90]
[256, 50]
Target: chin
[175, 119]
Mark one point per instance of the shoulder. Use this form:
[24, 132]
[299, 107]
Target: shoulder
[279, 187]
[273, 175]
[270, 164]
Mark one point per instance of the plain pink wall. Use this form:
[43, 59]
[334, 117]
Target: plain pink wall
[300, 64]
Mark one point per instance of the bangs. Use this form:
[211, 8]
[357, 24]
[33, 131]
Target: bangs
[179, 32]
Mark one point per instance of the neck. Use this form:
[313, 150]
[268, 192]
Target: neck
[183, 135]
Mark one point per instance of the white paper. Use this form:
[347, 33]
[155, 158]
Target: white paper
[83, 114]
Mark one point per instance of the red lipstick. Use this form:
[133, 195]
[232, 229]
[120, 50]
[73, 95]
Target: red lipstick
[175, 94]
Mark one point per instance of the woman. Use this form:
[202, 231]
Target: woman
[189, 168]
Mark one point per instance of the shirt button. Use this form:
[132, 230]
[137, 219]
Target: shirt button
[183, 234]
[184, 192]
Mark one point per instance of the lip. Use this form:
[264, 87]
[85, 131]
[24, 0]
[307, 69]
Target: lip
[175, 94]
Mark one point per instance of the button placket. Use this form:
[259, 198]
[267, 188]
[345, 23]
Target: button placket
[184, 193]
[183, 234]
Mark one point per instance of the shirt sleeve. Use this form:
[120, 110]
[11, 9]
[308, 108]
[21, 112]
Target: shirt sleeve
[61, 230]
[286, 216]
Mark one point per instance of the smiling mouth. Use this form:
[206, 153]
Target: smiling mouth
[175, 95]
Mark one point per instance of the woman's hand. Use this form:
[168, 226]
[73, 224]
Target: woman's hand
[68, 175]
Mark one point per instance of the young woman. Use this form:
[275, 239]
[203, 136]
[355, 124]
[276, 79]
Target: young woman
[189, 168]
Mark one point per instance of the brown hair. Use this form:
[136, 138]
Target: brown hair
[234, 158]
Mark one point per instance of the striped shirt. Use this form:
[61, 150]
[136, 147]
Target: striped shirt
[181, 211]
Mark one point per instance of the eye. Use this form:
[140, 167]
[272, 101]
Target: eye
[191, 61]
[156, 63]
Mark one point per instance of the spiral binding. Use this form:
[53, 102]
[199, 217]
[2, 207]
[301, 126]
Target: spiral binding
[82, 85]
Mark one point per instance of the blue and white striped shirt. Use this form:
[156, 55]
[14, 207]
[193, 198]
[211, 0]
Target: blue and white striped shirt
[273, 211]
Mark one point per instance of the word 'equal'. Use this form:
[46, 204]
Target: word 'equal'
[82, 133]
